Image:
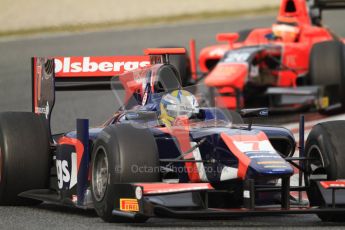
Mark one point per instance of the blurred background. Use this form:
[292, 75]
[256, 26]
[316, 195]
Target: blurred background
[20, 16]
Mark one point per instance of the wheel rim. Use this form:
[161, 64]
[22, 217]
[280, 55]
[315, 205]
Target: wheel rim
[100, 175]
[316, 167]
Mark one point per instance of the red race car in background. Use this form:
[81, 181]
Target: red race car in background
[294, 64]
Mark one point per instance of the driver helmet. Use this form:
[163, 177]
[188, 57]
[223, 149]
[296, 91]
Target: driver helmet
[176, 104]
[285, 32]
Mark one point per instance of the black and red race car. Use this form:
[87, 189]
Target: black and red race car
[161, 154]
[295, 64]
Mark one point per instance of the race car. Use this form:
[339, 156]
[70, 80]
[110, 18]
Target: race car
[162, 154]
[295, 64]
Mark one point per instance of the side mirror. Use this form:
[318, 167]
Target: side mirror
[144, 116]
[256, 112]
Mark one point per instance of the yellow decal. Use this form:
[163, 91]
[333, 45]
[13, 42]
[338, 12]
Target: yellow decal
[324, 102]
[129, 205]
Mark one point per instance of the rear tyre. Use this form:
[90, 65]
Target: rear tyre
[326, 146]
[24, 156]
[182, 64]
[117, 150]
[327, 69]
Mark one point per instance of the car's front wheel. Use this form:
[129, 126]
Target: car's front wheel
[118, 154]
[325, 146]
[327, 69]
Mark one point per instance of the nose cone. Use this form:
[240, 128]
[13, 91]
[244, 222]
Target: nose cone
[227, 74]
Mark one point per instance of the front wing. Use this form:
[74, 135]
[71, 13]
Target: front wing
[192, 200]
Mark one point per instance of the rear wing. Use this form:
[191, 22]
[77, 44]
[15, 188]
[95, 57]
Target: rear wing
[318, 6]
[76, 73]
[92, 73]
[328, 4]
[86, 73]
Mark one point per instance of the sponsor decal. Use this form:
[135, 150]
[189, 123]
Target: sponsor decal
[63, 174]
[246, 194]
[264, 113]
[324, 102]
[43, 110]
[255, 145]
[129, 205]
[67, 173]
[98, 66]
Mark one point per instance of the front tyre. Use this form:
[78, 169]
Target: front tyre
[327, 69]
[325, 145]
[182, 64]
[117, 150]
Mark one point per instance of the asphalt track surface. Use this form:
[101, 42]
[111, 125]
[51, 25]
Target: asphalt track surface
[15, 95]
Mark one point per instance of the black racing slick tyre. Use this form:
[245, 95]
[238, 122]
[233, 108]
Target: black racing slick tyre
[182, 63]
[118, 154]
[24, 156]
[327, 69]
[325, 145]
